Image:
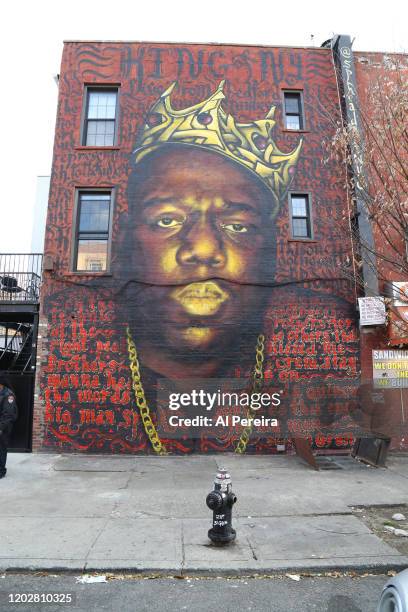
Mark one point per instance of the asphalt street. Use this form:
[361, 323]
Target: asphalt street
[198, 594]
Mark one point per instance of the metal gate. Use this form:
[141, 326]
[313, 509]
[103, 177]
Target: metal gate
[20, 278]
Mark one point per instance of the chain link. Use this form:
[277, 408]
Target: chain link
[257, 382]
[144, 410]
[140, 398]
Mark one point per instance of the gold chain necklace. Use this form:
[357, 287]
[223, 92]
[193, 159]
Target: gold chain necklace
[144, 410]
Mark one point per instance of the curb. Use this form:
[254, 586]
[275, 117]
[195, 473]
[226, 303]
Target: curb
[181, 573]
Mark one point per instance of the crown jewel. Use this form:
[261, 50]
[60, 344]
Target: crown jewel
[207, 125]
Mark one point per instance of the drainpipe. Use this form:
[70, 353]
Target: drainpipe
[344, 62]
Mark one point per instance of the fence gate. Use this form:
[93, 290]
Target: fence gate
[20, 278]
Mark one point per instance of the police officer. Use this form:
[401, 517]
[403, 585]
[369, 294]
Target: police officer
[8, 414]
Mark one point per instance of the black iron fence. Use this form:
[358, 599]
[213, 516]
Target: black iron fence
[20, 277]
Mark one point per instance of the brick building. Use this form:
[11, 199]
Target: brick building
[382, 90]
[192, 215]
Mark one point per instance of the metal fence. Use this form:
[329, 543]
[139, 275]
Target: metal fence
[20, 277]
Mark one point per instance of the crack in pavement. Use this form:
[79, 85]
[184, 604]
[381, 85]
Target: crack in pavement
[252, 550]
[183, 549]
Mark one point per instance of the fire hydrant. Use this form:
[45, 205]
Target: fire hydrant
[220, 501]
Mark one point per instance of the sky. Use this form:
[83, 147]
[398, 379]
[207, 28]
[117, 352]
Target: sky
[31, 47]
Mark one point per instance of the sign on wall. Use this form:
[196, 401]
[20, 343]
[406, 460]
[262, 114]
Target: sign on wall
[398, 329]
[390, 369]
[372, 310]
[400, 293]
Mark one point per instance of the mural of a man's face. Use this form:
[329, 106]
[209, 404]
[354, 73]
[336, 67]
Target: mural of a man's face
[200, 238]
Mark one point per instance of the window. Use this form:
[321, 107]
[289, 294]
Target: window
[100, 120]
[293, 110]
[92, 236]
[300, 216]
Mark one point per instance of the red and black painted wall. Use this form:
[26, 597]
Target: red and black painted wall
[192, 212]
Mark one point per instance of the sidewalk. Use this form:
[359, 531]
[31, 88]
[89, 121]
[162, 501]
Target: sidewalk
[74, 512]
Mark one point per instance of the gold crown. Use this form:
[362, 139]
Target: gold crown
[208, 126]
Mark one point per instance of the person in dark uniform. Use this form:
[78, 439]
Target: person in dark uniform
[8, 414]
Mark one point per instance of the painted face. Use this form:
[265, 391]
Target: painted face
[201, 228]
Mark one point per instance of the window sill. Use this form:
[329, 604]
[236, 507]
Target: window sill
[87, 273]
[94, 148]
[286, 131]
[307, 240]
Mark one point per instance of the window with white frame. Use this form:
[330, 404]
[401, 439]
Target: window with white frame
[300, 215]
[92, 231]
[294, 119]
[100, 117]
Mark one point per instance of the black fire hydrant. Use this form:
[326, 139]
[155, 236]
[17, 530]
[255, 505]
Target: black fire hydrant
[220, 501]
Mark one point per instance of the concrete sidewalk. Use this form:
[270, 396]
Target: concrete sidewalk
[74, 512]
